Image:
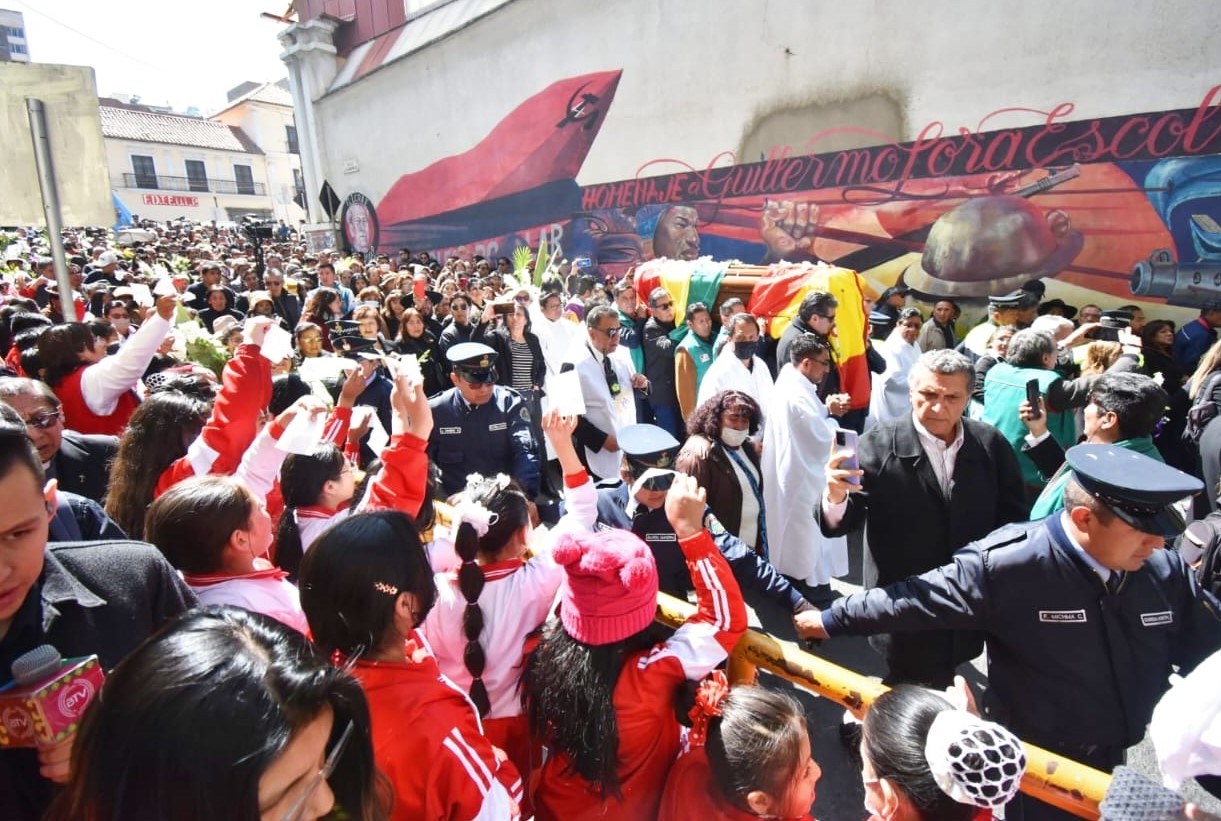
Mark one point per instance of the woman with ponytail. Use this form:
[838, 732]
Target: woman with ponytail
[488, 610]
[749, 757]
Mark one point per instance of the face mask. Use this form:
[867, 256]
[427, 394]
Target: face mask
[746, 350]
[734, 438]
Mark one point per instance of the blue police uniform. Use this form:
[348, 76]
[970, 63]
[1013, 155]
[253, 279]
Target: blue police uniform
[1078, 654]
[491, 438]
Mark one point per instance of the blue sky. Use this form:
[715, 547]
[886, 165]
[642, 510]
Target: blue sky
[157, 49]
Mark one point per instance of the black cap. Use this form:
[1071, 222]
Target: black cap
[434, 297]
[352, 344]
[1139, 490]
[648, 446]
[1019, 299]
[1035, 286]
[475, 360]
[1115, 319]
[343, 326]
[1067, 311]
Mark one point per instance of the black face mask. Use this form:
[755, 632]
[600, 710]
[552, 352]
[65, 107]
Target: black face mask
[746, 350]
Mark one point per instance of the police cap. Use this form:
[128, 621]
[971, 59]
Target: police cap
[1140, 490]
[648, 446]
[1020, 299]
[1115, 319]
[351, 344]
[475, 361]
[343, 326]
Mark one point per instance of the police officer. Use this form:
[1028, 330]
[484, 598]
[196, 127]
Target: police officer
[479, 426]
[1084, 612]
[637, 503]
[1015, 308]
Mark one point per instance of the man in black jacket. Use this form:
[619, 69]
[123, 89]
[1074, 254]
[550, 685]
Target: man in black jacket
[79, 462]
[1084, 611]
[83, 598]
[284, 304]
[816, 315]
[659, 363]
[930, 483]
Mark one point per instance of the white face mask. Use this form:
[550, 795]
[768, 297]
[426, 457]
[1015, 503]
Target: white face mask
[733, 437]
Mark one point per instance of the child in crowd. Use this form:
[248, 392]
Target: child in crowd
[749, 757]
[490, 607]
[600, 688]
[366, 586]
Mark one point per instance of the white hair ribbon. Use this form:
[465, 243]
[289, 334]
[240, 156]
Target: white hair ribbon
[475, 515]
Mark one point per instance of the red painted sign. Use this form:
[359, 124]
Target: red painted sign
[171, 200]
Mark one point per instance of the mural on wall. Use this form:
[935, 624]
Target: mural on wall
[962, 214]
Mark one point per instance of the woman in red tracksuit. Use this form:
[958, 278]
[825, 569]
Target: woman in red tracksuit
[600, 690]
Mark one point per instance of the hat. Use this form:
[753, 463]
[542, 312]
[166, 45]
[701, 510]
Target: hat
[1036, 287]
[123, 290]
[107, 258]
[352, 343]
[255, 297]
[1139, 490]
[610, 593]
[648, 446]
[343, 326]
[475, 360]
[1019, 299]
[1115, 319]
[223, 324]
[1067, 311]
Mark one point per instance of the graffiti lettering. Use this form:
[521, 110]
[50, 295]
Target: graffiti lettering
[887, 167]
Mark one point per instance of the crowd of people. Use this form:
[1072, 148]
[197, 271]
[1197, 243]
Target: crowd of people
[223, 458]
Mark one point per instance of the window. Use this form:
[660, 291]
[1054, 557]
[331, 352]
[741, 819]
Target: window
[197, 175]
[290, 131]
[146, 171]
[245, 179]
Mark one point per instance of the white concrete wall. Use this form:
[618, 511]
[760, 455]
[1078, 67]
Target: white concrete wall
[705, 76]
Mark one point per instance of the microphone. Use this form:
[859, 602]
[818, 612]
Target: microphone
[47, 698]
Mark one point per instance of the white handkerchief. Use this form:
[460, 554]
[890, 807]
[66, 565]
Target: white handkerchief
[277, 344]
[303, 434]
[564, 390]
[378, 438]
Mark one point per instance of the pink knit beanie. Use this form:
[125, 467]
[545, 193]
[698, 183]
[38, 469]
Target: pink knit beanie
[611, 591]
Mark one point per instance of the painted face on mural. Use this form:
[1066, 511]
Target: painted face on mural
[357, 224]
[678, 235]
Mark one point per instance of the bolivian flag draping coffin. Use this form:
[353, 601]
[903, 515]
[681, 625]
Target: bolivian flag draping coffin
[777, 292]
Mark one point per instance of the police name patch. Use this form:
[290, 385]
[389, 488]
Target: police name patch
[1154, 619]
[1061, 616]
[499, 426]
[452, 430]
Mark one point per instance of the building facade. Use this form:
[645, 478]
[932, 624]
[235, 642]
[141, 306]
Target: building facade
[13, 43]
[265, 114]
[168, 166]
[960, 148]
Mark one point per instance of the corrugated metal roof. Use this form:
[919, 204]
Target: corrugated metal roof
[171, 129]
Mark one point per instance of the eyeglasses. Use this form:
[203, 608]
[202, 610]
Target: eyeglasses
[522, 300]
[668, 306]
[45, 420]
[297, 810]
[611, 332]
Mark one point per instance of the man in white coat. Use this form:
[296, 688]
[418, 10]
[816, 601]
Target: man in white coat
[737, 368]
[797, 442]
[607, 387]
[891, 396]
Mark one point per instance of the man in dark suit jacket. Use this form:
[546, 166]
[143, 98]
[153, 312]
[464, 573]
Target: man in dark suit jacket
[79, 462]
[284, 304]
[930, 483]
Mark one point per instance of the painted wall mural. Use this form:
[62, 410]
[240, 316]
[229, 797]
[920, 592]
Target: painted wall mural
[1116, 206]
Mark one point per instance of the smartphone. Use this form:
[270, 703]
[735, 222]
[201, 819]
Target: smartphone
[504, 309]
[846, 440]
[1032, 396]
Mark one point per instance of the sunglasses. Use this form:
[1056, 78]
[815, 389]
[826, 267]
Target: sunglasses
[666, 307]
[484, 378]
[611, 332]
[45, 420]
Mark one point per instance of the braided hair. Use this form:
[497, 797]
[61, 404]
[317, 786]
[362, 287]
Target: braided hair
[509, 510]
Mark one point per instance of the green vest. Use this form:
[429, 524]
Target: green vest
[701, 355]
[1052, 497]
[1004, 391]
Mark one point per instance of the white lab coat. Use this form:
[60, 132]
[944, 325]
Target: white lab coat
[890, 398]
[797, 442]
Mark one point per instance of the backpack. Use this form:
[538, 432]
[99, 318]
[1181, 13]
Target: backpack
[1203, 536]
[1202, 411]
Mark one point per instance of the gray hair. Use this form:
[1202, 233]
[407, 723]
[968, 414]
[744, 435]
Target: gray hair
[1028, 347]
[599, 312]
[1052, 324]
[14, 386]
[947, 362]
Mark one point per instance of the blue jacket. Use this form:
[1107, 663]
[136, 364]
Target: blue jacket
[757, 578]
[1190, 343]
[1071, 666]
[491, 438]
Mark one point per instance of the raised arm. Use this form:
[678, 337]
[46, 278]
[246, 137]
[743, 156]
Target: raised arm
[103, 383]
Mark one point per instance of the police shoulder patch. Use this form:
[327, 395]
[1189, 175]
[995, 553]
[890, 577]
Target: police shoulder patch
[525, 414]
[713, 524]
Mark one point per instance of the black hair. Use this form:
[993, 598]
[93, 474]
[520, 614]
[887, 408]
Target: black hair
[352, 576]
[755, 744]
[570, 690]
[157, 435]
[509, 503]
[302, 478]
[816, 303]
[696, 308]
[193, 521]
[908, 313]
[740, 318]
[286, 389]
[706, 419]
[60, 349]
[893, 738]
[25, 320]
[188, 723]
[1136, 400]
[805, 346]
[15, 447]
